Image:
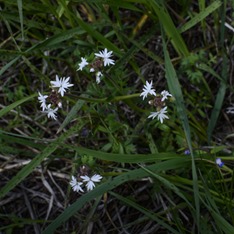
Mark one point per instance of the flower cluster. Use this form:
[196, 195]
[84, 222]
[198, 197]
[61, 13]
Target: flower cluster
[103, 58]
[50, 103]
[158, 102]
[84, 179]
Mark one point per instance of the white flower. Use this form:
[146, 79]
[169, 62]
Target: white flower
[92, 69]
[165, 94]
[148, 90]
[60, 105]
[98, 77]
[62, 84]
[159, 114]
[82, 64]
[230, 110]
[153, 115]
[219, 162]
[42, 100]
[76, 186]
[51, 113]
[90, 181]
[106, 57]
[43, 106]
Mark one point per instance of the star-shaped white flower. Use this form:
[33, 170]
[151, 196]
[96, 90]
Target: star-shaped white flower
[42, 100]
[62, 84]
[76, 186]
[159, 114]
[98, 77]
[148, 90]
[219, 162]
[106, 57]
[83, 64]
[51, 113]
[90, 181]
[165, 94]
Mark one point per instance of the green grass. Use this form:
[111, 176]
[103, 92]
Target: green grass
[148, 183]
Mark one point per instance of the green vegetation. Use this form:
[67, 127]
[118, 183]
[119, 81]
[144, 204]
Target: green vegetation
[170, 174]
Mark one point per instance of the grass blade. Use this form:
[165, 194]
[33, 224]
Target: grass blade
[8, 65]
[223, 84]
[201, 16]
[149, 214]
[98, 36]
[15, 104]
[168, 184]
[19, 2]
[126, 158]
[175, 89]
[72, 113]
[170, 28]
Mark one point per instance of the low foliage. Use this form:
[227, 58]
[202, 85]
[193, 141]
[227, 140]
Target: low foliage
[117, 116]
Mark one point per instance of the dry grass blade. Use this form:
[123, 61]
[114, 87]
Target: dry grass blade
[32, 213]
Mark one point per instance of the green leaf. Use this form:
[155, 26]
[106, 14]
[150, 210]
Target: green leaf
[99, 37]
[15, 104]
[151, 215]
[56, 39]
[126, 158]
[175, 89]
[223, 84]
[223, 224]
[168, 184]
[200, 16]
[169, 27]
[124, 5]
[19, 2]
[72, 113]
[23, 140]
[8, 65]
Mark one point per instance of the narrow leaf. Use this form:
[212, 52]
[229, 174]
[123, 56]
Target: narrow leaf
[200, 16]
[175, 89]
[20, 8]
[15, 104]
